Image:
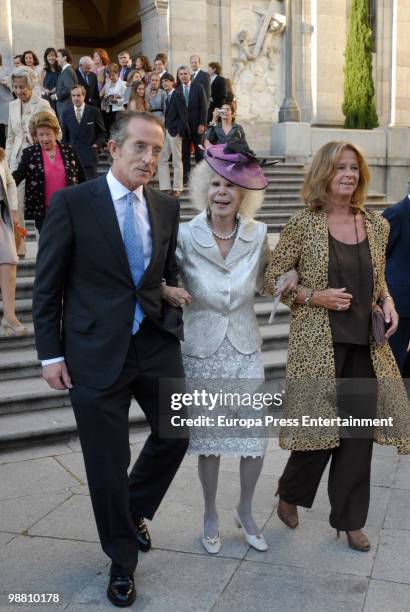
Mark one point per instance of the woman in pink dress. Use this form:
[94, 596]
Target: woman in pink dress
[47, 166]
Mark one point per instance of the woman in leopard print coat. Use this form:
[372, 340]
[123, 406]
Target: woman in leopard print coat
[331, 338]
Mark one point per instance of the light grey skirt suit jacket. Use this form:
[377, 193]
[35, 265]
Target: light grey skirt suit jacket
[222, 289]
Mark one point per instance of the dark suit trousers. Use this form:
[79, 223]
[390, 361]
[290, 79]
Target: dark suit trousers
[399, 343]
[349, 475]
[102, 419]
[196, 139]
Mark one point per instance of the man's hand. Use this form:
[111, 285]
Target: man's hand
[201, 129]
[57, 377]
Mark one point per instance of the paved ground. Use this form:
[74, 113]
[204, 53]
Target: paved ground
[49, 544]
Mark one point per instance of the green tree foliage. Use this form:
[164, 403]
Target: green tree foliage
[359, 107]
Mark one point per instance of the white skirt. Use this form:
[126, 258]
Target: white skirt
[226, 363]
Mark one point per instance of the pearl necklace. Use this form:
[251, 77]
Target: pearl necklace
[229, 236]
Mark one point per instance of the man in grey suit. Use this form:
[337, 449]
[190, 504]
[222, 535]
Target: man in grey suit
[65, 83]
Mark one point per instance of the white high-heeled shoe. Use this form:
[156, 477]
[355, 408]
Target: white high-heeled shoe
[212, 545]
[258, 542]
[13, 330]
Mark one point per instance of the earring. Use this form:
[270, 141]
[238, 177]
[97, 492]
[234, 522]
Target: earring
[208, 211]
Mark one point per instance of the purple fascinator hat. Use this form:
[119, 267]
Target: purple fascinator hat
[236, 163]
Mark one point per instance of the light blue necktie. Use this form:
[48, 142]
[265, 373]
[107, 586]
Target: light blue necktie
[135, 253]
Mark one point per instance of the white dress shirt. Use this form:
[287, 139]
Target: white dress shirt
[81, 109]
[119, 193]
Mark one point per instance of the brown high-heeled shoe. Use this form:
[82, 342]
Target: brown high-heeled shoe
[357, 540]
[288, 513]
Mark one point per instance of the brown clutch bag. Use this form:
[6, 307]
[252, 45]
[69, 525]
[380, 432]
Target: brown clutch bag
[378, 326]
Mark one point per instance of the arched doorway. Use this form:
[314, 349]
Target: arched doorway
[102, 23]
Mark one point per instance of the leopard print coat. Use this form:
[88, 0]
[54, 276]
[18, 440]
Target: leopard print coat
[310, 375]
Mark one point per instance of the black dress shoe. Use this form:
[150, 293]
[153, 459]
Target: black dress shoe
[121, 591]
[143, 537]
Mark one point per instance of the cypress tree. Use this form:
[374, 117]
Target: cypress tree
[359, 107]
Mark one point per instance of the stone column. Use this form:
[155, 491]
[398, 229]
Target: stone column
[59, 24]
[289, 111]
[154, 15]
[5, 33]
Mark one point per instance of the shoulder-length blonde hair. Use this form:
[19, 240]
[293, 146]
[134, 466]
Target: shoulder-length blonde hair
[199, 182]
[315, 190]
[44, 119]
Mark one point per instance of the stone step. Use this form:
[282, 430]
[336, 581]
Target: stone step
[18, 363]
[274, 363]
[22, 429]
[23, 309]
[28, 426]
[24, 286]
[14, 342]
[29, 394]
[26, 267]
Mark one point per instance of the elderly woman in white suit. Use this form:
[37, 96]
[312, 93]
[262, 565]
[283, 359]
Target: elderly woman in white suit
[222, 254]
[19, 138]
[8, 254]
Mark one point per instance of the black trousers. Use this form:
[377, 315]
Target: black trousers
[102, 419]
[196, 139]
[349, 475]
[399, 343]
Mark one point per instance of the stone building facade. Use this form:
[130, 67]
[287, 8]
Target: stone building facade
[248, 37]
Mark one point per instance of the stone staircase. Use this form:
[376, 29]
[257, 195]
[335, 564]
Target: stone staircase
[30, 411]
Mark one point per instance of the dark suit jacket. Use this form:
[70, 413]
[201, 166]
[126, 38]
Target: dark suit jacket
[126, 72]
[82, 135]
[66, 80]
[197, 105]
[92, 95]
[31, 168]
[218, 94]
[82, 256]
[204, 79]
[398, 255]
[176, 115]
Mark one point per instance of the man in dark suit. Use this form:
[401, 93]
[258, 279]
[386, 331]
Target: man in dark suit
[218, 88]
[176, 123]
[83, 128]
[398, 276]
[106, 246]
[125, 64]
[194, 95]
[200, 76]
[66, 80]
[88, 79]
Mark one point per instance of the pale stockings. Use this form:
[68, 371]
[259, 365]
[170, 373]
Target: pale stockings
[8, 292]
[208, 470]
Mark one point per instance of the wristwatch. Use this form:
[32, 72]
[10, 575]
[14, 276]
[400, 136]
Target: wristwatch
[308, 298]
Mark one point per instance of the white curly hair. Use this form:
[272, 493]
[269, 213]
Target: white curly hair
[199, 182]
[24, 72]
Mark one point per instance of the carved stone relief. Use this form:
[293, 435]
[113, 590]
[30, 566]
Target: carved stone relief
[256, 64]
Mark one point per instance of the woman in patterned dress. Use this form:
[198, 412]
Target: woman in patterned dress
[337, 367]
[222, 254]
